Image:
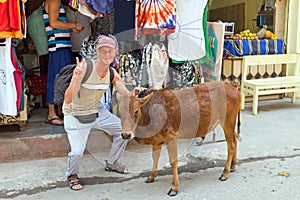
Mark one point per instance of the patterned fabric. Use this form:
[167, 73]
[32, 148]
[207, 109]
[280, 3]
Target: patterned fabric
[129, 67]
[237, 48]
[103, 25]
[74, 4]
[155, 16]
[57, 38]
[183, 76]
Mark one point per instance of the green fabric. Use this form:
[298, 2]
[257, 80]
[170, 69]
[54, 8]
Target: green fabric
[37, 31]
[208, 55]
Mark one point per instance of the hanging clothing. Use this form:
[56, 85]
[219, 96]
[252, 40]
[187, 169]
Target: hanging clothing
[23, 100]
[18, 77]
[77, 38]
[208, 55]
[182, 75]
[8, 93]
[159, 66]
[103, 25]
[10, 23]
[37, 31]
[84, 9]
[155, 16]
[74, 4]
[212, 69]
[124, 31]
[188, 43]
[102, 6]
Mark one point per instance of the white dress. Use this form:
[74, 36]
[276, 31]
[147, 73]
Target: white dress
[187, 43]
[8, 92]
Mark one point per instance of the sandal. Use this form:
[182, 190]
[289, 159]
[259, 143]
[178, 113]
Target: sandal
[74, 181]
[116, 167]
[54, 121]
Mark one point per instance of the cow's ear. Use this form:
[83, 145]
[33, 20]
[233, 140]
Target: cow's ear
[145, 99]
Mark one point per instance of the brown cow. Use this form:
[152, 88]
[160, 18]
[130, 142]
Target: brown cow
[166, 115]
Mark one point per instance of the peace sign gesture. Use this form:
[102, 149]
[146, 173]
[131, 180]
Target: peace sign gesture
[80, 69]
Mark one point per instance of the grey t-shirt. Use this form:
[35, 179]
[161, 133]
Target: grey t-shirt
[77, 38]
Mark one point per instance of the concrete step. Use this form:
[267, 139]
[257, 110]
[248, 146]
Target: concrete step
[40, 140]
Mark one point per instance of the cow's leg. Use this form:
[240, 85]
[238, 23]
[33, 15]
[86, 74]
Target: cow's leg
[234, 158]
[231, 151]
[173, 158]
[155, 156]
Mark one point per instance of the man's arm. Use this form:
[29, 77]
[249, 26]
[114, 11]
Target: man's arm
[76, 80]
[53, 7]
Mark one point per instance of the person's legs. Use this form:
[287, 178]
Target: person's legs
[57, 60]
[52, 116]
[111, 124]
[77, 135]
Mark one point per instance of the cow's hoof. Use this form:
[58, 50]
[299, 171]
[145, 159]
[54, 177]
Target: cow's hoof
[232, 170]
[172, 192]
[148, 180]
[222, 178]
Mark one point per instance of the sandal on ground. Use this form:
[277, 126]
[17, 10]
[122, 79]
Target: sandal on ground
[74, 181]
[51, 121]
[116, 167]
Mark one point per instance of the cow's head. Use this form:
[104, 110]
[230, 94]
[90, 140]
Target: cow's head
[129, 110]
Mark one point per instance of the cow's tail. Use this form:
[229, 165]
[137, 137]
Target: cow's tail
[239, 125]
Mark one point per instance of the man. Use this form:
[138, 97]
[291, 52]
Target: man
[81, 102]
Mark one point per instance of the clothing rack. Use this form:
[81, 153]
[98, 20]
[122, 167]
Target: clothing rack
[19, 120]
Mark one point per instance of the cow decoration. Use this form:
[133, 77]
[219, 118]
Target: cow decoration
[165, 115]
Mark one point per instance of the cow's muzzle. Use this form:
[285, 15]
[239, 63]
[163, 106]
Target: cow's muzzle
[126, 136]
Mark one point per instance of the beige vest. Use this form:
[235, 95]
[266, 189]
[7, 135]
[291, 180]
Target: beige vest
[90, 93]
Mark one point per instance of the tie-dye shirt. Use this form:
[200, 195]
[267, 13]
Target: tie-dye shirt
[155, 16]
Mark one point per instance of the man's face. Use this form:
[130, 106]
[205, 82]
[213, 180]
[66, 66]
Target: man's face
[106, 55]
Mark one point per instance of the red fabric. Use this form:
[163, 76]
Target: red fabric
[37, 85]
[18, 78]
[9, 15]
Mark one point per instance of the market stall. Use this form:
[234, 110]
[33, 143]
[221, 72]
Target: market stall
[238, 48]
[233, 53]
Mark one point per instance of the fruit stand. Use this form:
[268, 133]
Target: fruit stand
[246, 43]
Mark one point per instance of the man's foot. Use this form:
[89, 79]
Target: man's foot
[74, 182]
[116, 167]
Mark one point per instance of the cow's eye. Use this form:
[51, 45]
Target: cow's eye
[136, 112]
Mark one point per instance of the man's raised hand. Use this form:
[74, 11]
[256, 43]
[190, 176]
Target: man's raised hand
[80, 68]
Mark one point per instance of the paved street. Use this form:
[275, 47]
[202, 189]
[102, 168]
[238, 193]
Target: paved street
[268, 166]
